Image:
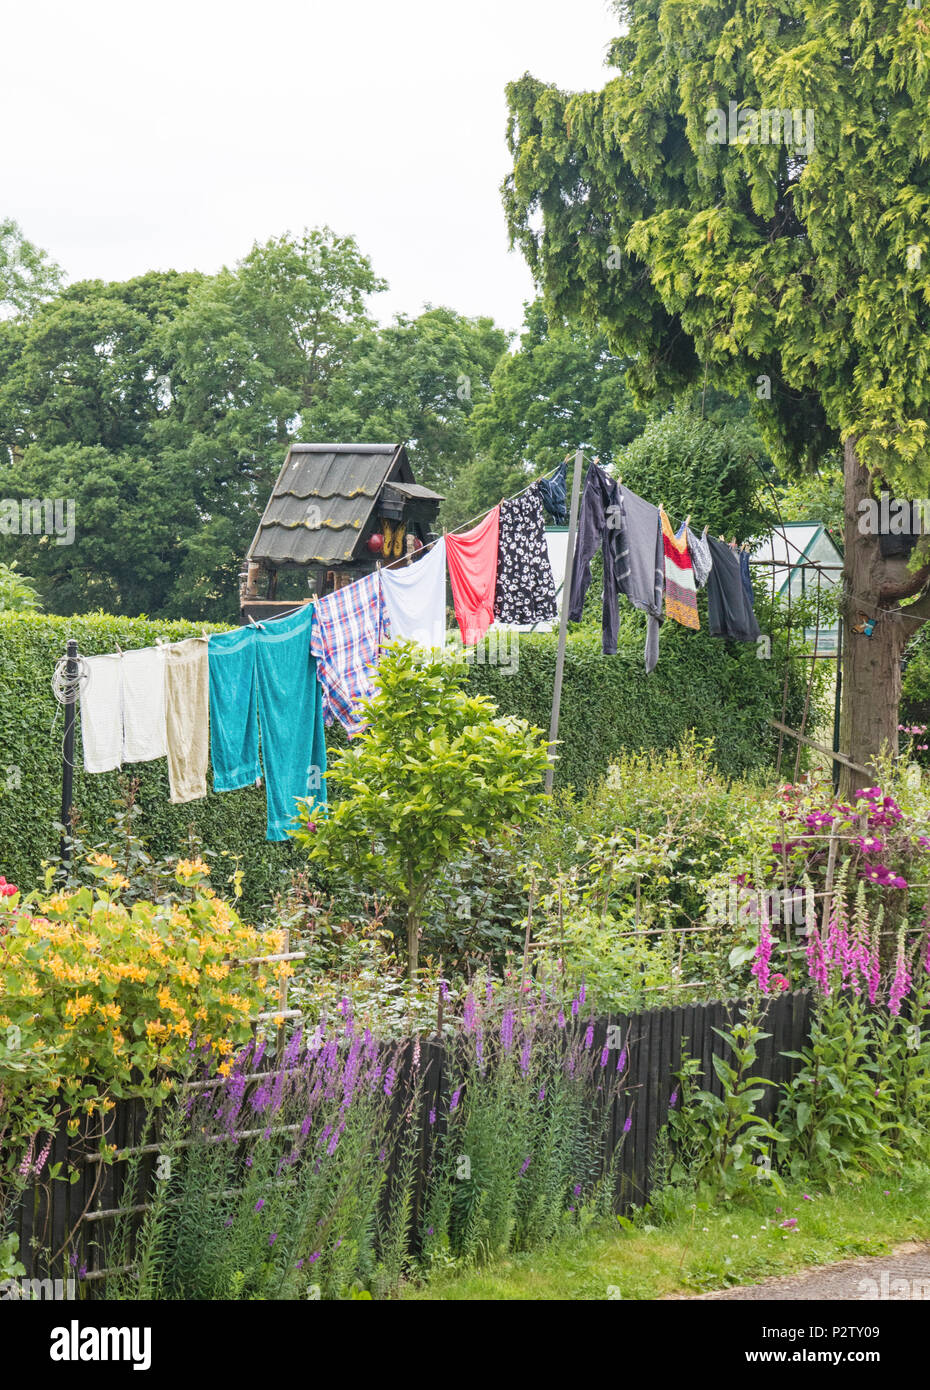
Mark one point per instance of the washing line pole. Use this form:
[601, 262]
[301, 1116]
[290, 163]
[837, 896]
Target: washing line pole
[67, 752]
[563, 620]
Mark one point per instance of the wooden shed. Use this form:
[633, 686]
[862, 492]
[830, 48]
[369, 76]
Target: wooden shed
[335, 511]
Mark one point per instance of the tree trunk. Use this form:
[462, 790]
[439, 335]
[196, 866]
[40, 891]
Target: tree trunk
[871, 665]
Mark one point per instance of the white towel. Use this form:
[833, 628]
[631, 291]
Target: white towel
[145, 730]
[416, 598]
[102, 714]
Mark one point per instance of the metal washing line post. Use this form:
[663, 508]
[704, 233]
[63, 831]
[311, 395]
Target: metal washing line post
[67, 753]
[563, 620]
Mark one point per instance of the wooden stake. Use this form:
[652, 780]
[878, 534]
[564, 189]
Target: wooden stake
[282, 1001]
[639, 881]
[526, 939]
[828, 885]
[439, 1003]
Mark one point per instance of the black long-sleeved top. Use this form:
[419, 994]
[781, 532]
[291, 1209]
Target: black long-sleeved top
[729, 613]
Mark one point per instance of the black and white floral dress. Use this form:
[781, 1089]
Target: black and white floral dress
[525, 586]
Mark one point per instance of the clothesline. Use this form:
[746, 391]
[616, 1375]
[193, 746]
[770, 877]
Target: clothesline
[205, 698]
[457, 530]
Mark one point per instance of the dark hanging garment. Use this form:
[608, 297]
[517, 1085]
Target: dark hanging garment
[729, 613]
[552, 492]
[598, 522]
[525, 586]
[746, 576]
[639, 564]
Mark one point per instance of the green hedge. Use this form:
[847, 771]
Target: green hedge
[721, 690]
[608, 703]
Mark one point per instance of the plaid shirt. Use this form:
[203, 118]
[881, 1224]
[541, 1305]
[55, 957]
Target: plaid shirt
[351, 625]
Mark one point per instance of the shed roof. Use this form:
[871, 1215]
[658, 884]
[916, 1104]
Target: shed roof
[323, 499]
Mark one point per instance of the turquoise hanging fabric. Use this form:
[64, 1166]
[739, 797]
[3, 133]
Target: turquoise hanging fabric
[233, 710]
[290, 711]
[263, 680]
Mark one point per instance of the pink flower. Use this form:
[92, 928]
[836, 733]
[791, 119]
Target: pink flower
[790, 1224]
[760, 966]
[901, 983]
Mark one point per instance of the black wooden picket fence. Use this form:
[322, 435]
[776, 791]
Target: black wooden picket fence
[59, 1216]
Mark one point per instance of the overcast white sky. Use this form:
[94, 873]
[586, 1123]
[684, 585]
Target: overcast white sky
[142, 137]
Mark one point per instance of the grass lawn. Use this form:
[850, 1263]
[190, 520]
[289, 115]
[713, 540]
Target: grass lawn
[705, 1249]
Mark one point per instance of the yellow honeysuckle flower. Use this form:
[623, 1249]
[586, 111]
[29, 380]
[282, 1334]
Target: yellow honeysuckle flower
[103, 861]
[187, 868]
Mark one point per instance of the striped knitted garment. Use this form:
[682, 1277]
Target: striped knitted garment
[680, 593]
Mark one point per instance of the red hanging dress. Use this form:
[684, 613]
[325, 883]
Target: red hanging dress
[472, 561]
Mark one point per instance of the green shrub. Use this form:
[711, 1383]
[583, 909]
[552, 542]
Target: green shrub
[437, 770]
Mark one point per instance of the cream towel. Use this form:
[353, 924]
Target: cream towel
[102, 714]
[187, 710]
[144, 705]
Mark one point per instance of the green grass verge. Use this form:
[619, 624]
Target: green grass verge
[702, 1249]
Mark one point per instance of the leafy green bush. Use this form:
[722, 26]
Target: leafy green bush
[639, 851]
[17, 593]
[437, 769]
[700, 467]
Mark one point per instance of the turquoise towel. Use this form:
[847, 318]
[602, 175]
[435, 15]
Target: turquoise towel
[290, 711]
[233, 710]
[265, 678]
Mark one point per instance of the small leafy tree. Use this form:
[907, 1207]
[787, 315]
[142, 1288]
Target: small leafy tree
[436, 770]
[16, 591]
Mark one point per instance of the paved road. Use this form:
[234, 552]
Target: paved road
[903, 1274]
